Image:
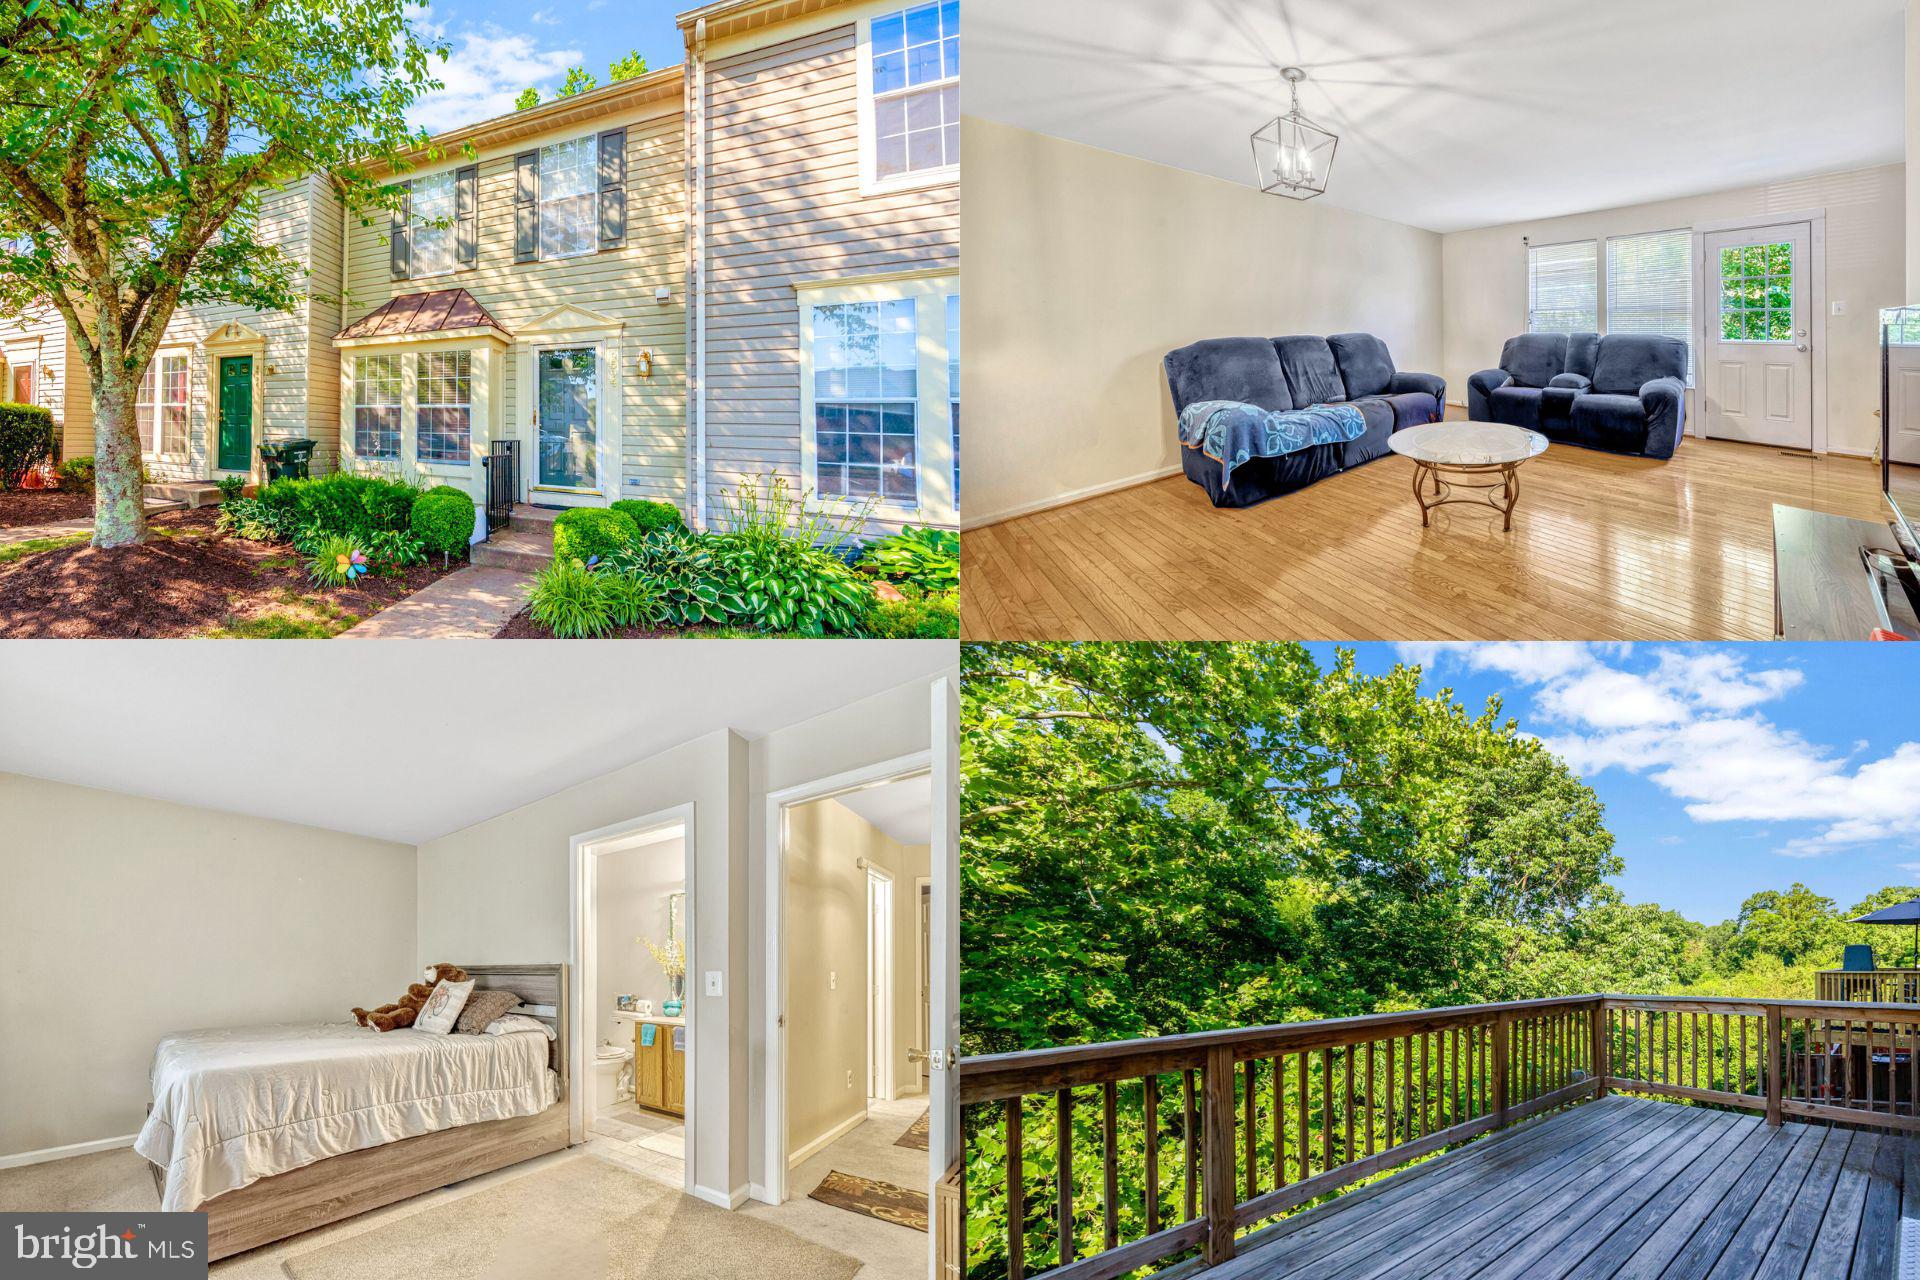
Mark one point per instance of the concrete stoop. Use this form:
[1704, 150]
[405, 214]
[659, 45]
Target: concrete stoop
[526, 544]
[178, 494]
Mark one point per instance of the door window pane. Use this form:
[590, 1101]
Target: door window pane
[376, 406]
[866, 375]
[443, 382]
[568, 401]
[1756, 293]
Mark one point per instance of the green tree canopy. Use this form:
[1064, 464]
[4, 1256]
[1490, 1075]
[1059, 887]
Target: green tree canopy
[132, 132]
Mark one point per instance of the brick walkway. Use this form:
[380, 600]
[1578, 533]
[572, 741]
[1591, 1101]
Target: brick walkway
[469, 604]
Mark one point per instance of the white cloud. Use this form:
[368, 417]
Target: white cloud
[1690, 724]
[543, 18]
[485, 71]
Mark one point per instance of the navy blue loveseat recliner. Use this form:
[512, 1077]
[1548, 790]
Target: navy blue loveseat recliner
[1298, 373]
[1621, 392]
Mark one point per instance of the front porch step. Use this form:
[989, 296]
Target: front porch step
[183, 493]
[525, 545]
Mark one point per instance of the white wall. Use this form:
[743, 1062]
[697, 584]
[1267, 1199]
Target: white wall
[916, 863]
[1084, 268]
[498, 893]
[632, 887]
[1913, 153]
[1486, 278]
[124, 919]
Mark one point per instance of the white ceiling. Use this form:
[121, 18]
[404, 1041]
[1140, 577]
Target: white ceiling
[902, 809]
[1466, 113]
[406, 741]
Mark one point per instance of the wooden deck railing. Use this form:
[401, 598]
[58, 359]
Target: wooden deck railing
[1874, 986]
[1216, 1133]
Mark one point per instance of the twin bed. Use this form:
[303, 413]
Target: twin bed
[271, 1131]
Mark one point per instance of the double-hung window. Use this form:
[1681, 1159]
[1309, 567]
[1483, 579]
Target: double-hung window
[433, 203]
[376, 407]
[444, 384]
[1650, 286]
[880, 390]
[1563, 288]
[161, 403]
[911, 92]
[569, 185]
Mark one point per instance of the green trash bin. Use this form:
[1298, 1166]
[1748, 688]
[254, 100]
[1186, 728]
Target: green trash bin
[287, 459]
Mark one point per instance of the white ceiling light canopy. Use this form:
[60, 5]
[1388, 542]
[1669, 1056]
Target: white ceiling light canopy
[1292, 156]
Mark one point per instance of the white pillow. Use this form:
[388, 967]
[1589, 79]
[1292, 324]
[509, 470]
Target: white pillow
[443, 1007]
[508, 1024]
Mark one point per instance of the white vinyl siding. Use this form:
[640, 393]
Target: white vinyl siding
[444, 382]
[376, 407]
[569, 198]
[1650, 286]
[433, 202]
[1563, 288]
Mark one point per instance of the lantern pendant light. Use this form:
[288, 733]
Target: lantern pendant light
[1292, 155]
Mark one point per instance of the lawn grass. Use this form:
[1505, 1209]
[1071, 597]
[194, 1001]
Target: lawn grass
[21, 550]
[303, 618]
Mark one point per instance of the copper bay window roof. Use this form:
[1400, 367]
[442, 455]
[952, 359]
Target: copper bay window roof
[417, 314]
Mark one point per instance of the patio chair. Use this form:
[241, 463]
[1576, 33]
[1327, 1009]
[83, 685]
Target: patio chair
[1857, 958]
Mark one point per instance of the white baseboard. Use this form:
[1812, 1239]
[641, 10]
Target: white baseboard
[762, 1194]
[61, 1153]
[722, 1198]
[1066, 499]
[826, 1139]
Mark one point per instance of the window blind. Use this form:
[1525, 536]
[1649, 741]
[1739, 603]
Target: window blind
[1650, 286]
[1563, 286]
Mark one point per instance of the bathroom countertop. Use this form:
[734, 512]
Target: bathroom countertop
[660, 1019]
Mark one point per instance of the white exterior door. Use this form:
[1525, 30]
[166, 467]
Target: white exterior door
[944, 989]
[1756, 365]
[1903, 402]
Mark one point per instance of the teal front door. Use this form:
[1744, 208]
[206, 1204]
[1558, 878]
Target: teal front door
[236, 413]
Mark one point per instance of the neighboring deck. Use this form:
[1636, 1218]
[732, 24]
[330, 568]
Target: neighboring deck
[1615, 1187]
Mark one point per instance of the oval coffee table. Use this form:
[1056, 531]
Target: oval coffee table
[1468, 449]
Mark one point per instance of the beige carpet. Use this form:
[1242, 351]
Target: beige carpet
[580, 1219]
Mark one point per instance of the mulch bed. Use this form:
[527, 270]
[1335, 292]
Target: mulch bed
[194, 581]
[521, 627]
[42, 506]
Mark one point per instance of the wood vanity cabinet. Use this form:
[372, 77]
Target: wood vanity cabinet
[660, 1068]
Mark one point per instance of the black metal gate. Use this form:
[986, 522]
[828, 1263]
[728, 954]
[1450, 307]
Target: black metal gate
[503, 483]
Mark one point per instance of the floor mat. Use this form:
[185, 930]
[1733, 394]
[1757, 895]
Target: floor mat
[874, 1198]
[916, 1135]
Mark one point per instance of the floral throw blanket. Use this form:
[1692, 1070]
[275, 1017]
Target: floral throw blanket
[1231, 432]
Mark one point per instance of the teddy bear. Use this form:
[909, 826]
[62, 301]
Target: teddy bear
[391, 1017]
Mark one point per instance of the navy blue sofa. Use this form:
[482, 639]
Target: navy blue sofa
[1298, 373]
[1621, 392]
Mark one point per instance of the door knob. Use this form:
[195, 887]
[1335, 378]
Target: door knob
[917, 1055]
[1800, 346]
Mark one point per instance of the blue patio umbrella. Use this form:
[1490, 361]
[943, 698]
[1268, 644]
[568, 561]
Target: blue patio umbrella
[1900, 913]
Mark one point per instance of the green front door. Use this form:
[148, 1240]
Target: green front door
[236, 413]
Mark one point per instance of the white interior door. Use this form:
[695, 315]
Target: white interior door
[1756, 366]
[943, 1076]
[1903, 402]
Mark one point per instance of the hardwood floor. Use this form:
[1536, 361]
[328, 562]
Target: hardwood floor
[1614, 1188]
[1603, 547]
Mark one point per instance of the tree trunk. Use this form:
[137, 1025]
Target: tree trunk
[119, 501]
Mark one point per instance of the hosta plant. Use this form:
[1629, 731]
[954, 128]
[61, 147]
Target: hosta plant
[927, 558]
[689, 582]
[787, 585]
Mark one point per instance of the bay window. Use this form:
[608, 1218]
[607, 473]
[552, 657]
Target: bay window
[444, 384]
[376, 407]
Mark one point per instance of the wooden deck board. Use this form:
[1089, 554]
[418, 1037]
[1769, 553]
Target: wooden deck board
[1620, 1187]
[1603, 547]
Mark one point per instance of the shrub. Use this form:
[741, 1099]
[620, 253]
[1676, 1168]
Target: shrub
[567, 600]
[787, 585]
[337, 561]
[649, 516]
[688, 581]
[926, 558]
[390, 553]
[630, 599]
[915, 618]
[76, 474]
[341, 503]
[26, 441]
[443, 520]
[767, 509]
[588, 533]
[231, 487]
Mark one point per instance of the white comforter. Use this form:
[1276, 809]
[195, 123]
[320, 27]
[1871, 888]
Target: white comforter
[233, 1105]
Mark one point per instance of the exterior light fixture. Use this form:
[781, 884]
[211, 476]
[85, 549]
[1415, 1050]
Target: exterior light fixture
[1292, 155]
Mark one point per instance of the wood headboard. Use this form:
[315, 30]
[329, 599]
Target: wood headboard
[542, 986]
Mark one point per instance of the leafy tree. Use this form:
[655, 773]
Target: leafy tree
[134, 137]
[529, 97]
[627, 68]
[577, 81]
[1792, 926]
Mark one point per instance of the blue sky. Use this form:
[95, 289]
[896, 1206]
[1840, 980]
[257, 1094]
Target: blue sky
[500, 49]
[1725, 769]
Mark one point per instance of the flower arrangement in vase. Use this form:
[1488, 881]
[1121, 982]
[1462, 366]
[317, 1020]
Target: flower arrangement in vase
[672, 959]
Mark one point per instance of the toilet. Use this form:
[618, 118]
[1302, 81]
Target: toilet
[613, 1076]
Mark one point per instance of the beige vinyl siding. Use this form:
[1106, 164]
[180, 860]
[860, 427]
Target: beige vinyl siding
[784, 207]
[617, 282]
[40, 337]
[326, 214]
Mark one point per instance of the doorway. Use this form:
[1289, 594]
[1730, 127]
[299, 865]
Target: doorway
[235, 452]
[1760, 333]
[881, 947]
[568, 418]
[631, 1063]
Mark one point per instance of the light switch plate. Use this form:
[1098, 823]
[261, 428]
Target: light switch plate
[1839, 308]
[713, 982]
[833, 980]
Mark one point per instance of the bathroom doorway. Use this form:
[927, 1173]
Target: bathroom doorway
[881, 951]
[633, 946]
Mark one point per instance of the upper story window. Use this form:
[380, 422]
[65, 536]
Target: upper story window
[570, 197]
[568, 184]
[911, 106]
[433, 203]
